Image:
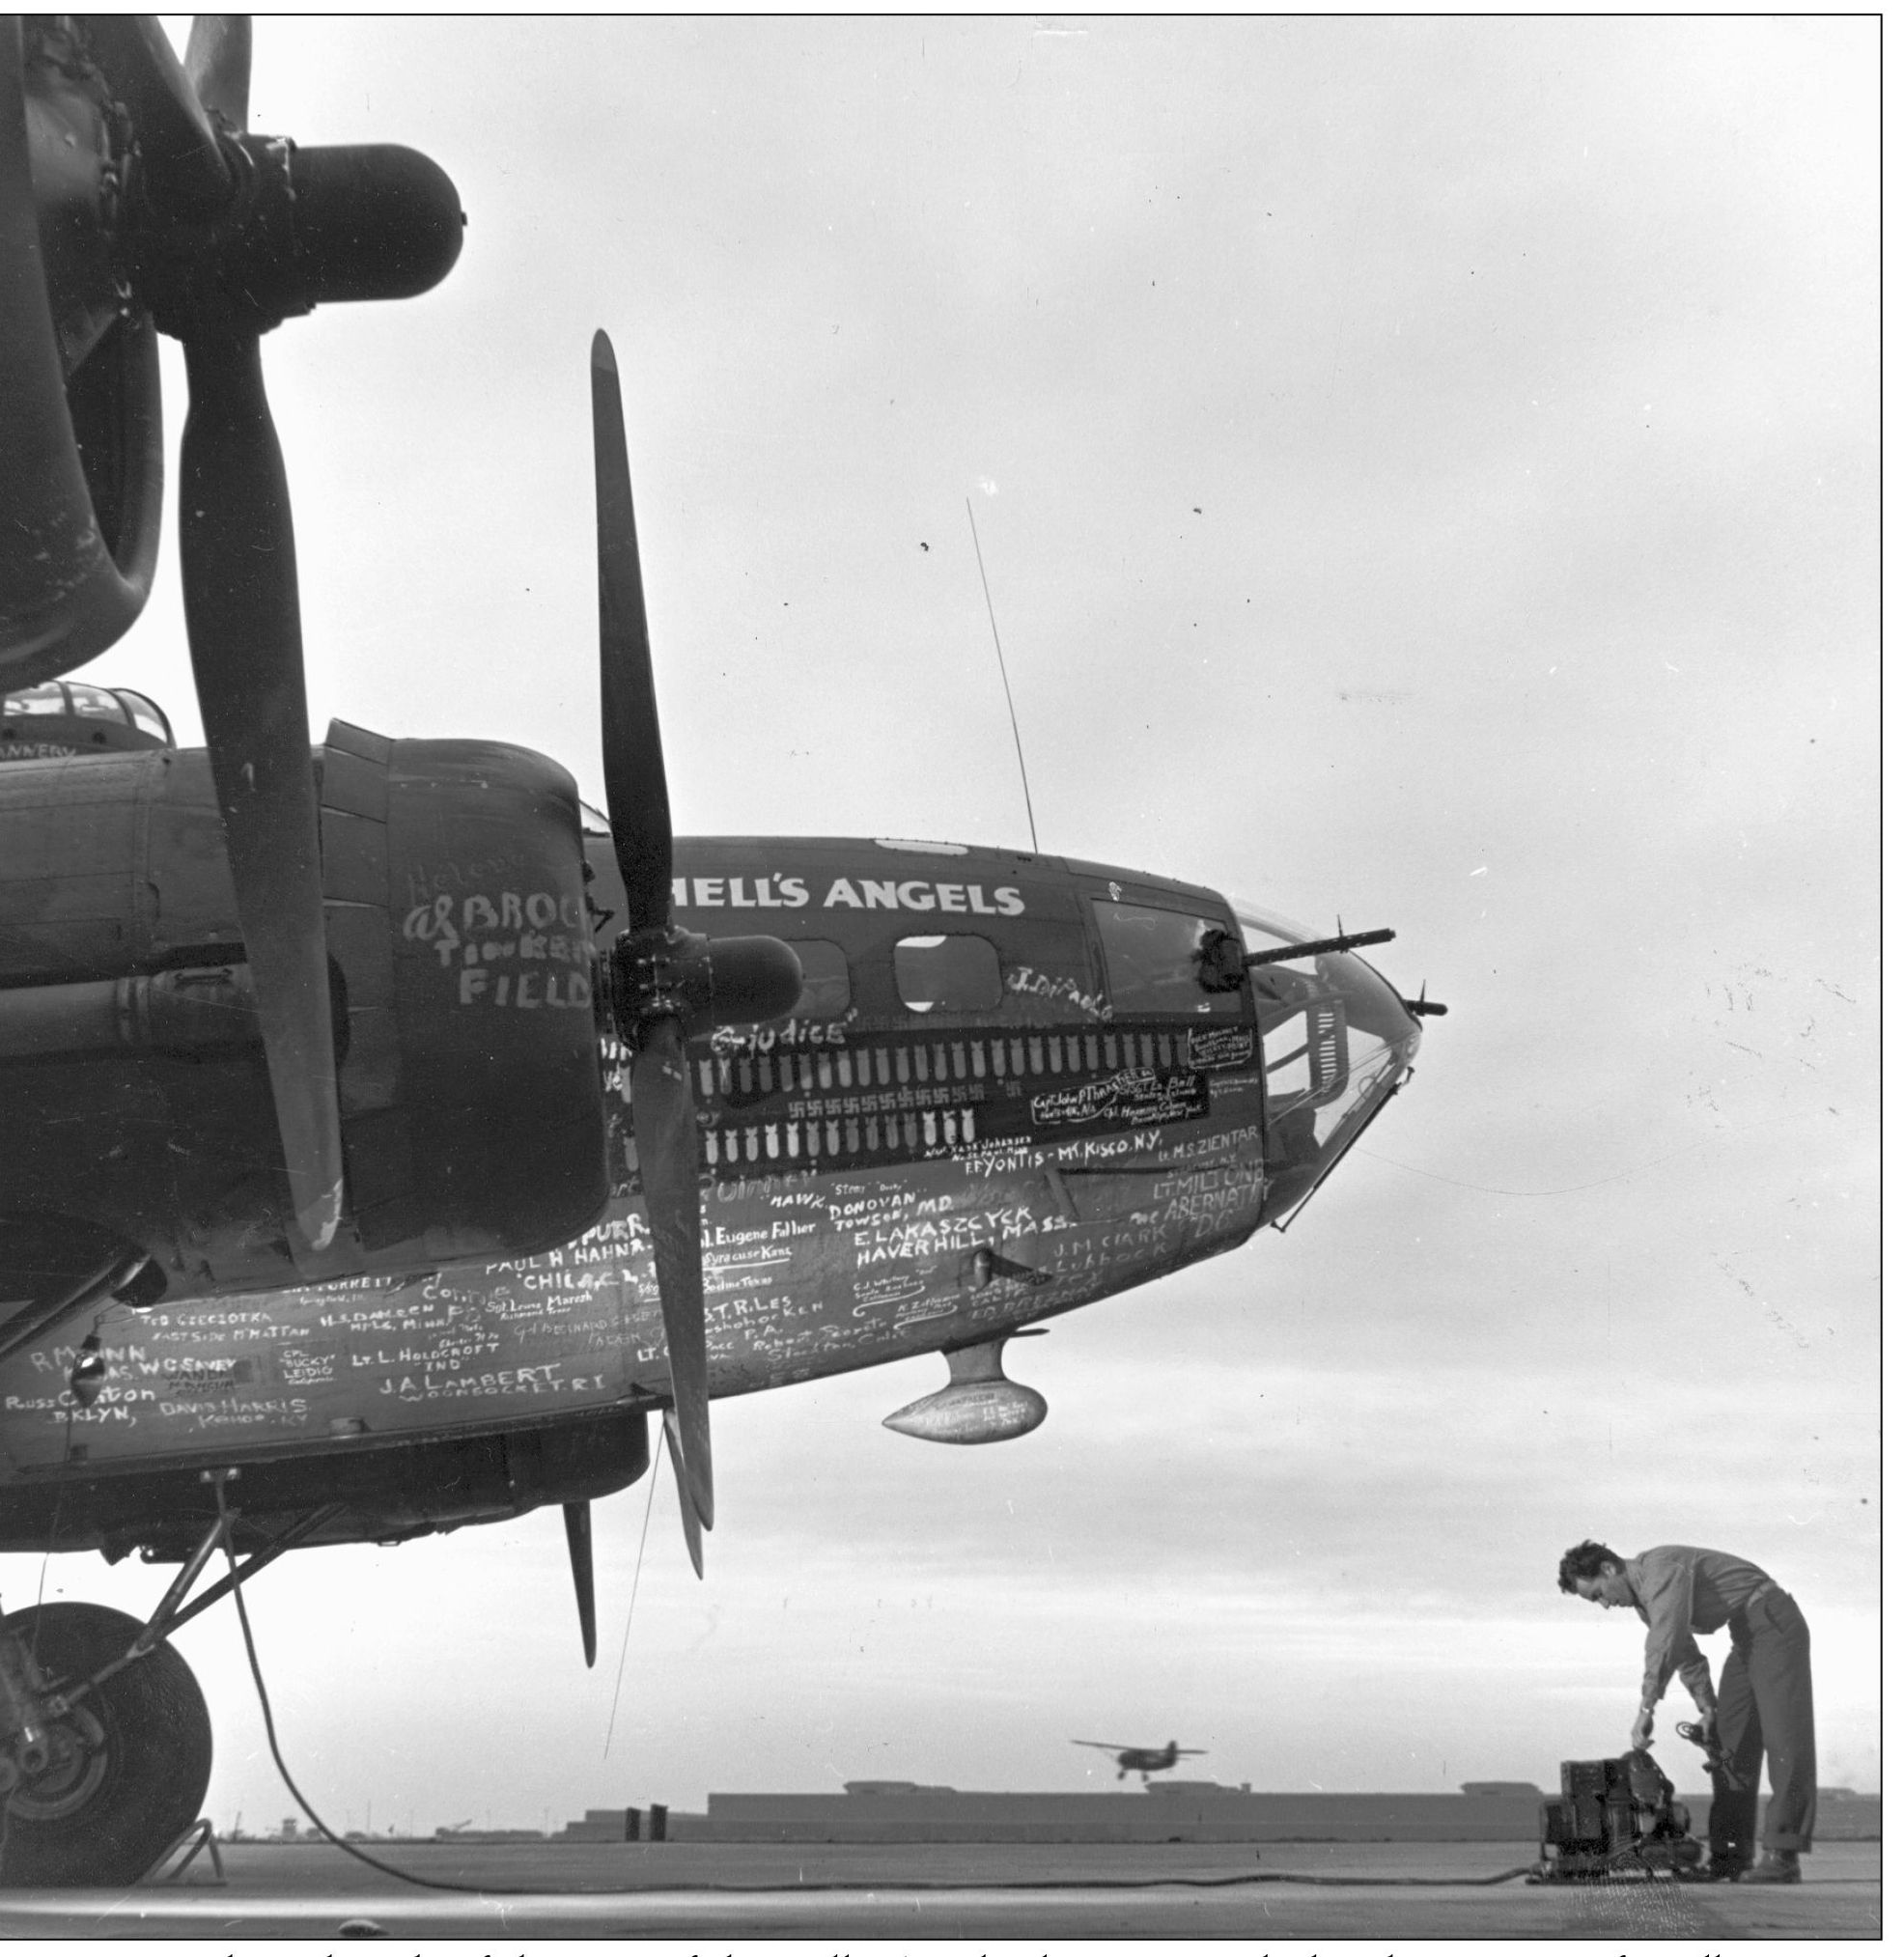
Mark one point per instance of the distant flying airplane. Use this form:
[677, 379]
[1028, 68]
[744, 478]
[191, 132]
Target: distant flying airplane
[1141, 1760]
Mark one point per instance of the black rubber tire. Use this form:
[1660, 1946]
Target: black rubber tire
[105, 1814]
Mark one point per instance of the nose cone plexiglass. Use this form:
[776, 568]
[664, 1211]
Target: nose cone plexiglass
[1336, 1040]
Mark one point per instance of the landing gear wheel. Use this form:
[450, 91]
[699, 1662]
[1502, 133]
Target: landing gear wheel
[127, 1766]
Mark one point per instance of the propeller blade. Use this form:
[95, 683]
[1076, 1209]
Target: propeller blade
[240, 589]
[581, 1566]
[183, 168]
[667, 1147]
[218, 66]
[690, 1522]
[636, 775]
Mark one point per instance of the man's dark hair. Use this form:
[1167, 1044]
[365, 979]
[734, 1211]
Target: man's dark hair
[1583, 1563]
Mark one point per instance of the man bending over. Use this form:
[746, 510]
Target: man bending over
[1763, 1706]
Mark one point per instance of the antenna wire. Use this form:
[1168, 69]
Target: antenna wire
[1023, 778]
[654, 1475]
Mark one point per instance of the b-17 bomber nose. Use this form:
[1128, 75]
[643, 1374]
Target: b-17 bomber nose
[1337, 1041]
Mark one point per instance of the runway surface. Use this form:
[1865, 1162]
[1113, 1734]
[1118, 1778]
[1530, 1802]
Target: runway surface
[1043, 1892]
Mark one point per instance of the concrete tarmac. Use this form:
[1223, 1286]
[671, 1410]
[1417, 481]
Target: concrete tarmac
[746, 1892]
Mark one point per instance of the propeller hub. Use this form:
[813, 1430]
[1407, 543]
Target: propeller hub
[667, 973]
[303, 227]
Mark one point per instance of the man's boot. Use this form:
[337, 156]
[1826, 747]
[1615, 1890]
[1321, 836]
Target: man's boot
[1775, 1865]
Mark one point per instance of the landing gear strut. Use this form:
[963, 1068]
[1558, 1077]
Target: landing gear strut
[105, 1745]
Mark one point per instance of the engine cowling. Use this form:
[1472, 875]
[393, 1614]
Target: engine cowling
[471, 1090]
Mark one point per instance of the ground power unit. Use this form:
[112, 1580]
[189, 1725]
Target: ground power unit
[1614, 1818]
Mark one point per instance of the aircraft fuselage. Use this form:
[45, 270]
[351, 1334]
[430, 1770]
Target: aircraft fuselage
[1006, 1092]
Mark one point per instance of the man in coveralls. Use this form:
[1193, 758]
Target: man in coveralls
[1763, 1706]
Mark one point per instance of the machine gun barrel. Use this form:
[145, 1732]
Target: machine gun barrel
[1352, 941]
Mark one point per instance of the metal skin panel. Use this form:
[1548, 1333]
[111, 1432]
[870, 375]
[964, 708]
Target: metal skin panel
[70, 903]
[400, 1486]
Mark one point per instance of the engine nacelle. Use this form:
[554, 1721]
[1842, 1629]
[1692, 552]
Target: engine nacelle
[464, 973]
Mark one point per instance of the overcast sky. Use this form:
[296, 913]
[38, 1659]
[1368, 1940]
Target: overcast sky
[1426, 472]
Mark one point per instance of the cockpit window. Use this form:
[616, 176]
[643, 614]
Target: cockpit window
[1156, 961]
[96, 702]
[145, 715]
[951, 974]
[47, 699]
[116, 708]
[828, 991]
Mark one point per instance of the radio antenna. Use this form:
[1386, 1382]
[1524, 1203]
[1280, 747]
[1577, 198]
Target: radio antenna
[985, 583]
